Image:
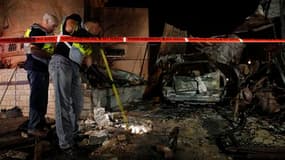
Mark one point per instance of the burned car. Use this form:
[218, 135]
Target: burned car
[193, 82]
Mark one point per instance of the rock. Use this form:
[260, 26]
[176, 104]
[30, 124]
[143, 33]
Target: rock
[11, 154]
[11, 113]
[139, 129]
[101, 117]
[109, 143]
[121, 137]
[268, 141]
[97, 137]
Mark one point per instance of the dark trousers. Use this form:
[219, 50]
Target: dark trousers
[39, 82]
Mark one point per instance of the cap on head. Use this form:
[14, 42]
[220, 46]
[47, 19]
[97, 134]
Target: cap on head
[75, 17]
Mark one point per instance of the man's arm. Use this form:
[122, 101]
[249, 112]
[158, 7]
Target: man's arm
[37, 48]
[39, 52]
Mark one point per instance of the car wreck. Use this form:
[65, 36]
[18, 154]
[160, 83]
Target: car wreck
[193, 82]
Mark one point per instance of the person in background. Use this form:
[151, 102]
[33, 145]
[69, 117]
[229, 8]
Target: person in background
[95, 29]
[36, 64]
[64, 69]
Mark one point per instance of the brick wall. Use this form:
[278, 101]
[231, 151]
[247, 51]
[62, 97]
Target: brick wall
[18, 91]
[21, 14]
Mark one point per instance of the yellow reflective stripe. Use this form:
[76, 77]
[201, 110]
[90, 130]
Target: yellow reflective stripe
[61, 28]
[27, 33]
[76, 28]
[83, 48]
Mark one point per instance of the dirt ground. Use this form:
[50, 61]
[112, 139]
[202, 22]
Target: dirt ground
[181, 133]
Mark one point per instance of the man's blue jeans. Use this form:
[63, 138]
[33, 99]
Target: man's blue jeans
[68, 98]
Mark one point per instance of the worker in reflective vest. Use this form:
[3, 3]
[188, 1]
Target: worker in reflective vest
[38, 56]
[64, 69]
[48, 48]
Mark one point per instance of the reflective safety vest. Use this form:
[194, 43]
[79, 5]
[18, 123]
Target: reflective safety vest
[85, 49]
[47, 47]
[27, 46]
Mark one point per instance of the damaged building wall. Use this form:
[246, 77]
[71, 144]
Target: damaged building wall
[17, 92]
[128, 22]
[274, 8]
[1, 17]
[19, 15]
[153, 88]
[172, 48]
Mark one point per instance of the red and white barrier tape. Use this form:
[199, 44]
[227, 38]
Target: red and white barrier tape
[44, 39]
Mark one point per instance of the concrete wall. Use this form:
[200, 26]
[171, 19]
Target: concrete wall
[19, 14]
[107, 99]
[18, 93]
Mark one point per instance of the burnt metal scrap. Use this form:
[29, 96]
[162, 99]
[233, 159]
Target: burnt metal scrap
[254, 139]
[202, 78]
[251, 80]
[257, 152]
[259, 133]
[98, 78]
[172, 138]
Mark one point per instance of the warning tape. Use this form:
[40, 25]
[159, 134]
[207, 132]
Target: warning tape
[45, 39]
